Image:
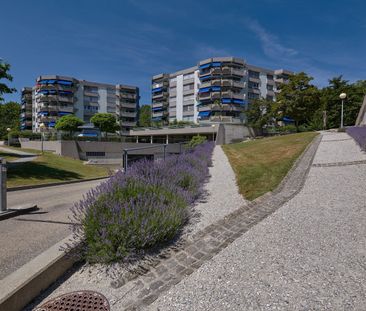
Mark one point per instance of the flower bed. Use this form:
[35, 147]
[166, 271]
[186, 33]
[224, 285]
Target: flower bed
[135, 210]
[358, 133]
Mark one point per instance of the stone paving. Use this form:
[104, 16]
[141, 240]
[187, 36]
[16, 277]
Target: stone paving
[141, 287]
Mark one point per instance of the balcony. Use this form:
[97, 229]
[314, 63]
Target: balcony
[127, 95]
[127, 114]
[204, 96]
[128, 123]
[280, 80]
[157, 114]
[26, 115]
[123, 104]
[160, 95]
[93, 94]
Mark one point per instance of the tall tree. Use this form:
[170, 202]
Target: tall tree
[9, 117]
[68, 123]
[106, 122]
[260, 113]
[5, 75]
[298, 99]
[145, 116]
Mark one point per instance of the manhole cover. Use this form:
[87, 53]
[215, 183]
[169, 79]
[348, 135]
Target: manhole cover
[77, 301]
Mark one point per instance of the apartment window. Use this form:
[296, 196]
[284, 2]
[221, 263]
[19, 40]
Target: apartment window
[95, 154]
[90, 99]
[111, 91]
[253, 74]
[188, 87]
[269, 87]
[269, 77]
[188, 108]
[188, 76]
[188, 97]
[111, 110]
[253, 85]
[253, 95]
[269, 97]
[173, 89]
[188, 118]
[91, 108]
[173, 79]
[91, 89]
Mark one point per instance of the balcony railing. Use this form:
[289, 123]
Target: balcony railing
[127, 114]
[123, 104]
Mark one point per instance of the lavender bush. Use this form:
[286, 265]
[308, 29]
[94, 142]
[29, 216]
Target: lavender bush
[138, 209]
[358, 133]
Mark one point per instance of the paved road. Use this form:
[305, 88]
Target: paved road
[309, 255]
[24, 237]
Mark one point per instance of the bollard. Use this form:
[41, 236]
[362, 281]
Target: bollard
[3, 199]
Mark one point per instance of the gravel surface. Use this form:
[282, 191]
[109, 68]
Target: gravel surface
[309, 255]
[338, 147]
[222, 194]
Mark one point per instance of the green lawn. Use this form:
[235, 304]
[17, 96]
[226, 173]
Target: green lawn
[8, 155]
[261, 164]
[50, 168]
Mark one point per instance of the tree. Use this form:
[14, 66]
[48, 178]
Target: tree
[9, 117]
[69, 123]
[260, 113]
[106, 122]
[4, 74]
[298, 99]
[145, 116]
[331, 102]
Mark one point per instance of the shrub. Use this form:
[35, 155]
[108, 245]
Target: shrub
[358, 133]
[197, 140]
[146, 205]
[287, 129]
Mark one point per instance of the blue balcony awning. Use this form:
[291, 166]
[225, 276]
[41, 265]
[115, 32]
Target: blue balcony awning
[205, 66]
[64, 113]
[215, 64]
[64, 92]
[226, 100]
[216, 88]
[51, 81]
[287, 119]
[204, 114]
[157, 109]
[64, 82]
[238, 101]
[52, 124]
[205, 78]
[43, 113]
[204, 89]
[158, 89]
[156, 118]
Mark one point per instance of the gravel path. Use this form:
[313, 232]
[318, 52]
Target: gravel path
[309, 255]
[222, 194]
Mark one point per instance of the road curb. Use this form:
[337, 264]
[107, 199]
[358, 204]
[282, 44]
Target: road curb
[53, 184]
[12, 212]
[23, 285]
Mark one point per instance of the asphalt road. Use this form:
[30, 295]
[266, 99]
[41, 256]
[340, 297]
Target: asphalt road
[24, 237]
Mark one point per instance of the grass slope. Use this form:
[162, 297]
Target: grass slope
[50, 168]
[260, 165]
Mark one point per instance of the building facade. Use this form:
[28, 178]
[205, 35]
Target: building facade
[56, 96]
[217, 90]
[26, 113]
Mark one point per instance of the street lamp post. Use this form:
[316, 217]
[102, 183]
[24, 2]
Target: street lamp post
[342, 96]
[9, 136]
[42, 126]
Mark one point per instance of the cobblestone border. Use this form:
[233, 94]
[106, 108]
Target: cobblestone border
[174, 264]
[335, 140]
[339, 163]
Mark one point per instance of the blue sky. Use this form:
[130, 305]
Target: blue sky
[128, 41]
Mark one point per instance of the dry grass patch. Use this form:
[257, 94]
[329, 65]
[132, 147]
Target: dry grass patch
[260, 165]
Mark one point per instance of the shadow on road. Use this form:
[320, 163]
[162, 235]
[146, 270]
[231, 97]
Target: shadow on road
[46, 221]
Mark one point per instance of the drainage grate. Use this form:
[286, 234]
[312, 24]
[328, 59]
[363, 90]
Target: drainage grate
[77, 301]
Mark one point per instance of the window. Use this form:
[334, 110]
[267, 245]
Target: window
[188, 97]
[253, 95]
[188, 87]
[91, 108]
[188, 76]
[269, 97]
[269, 77]
[269, 87]
[173, 89]
[111, 91]
[90, 99]
[253, 85]
[253, 74]
[91, 89]
[95, 154]
[188, 108]
[173, 80]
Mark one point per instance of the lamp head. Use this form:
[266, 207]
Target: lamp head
[8, 129]
[342, 95]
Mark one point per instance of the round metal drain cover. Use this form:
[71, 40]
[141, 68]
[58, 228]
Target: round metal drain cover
[77, 301]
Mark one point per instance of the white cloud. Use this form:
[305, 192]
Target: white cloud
[270, 43]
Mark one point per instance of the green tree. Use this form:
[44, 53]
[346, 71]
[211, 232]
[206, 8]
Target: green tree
[5, 75]
[260, 113]
[298, 99]
[9, 117]
[145, 116]
[106, 122]
[68, 123]
[331, 103]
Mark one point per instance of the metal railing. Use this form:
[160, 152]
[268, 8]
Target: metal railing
[163, 146]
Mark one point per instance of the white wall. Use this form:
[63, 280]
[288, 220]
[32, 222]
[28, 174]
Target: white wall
[179, 99]
[196, 88]
[263, 85]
